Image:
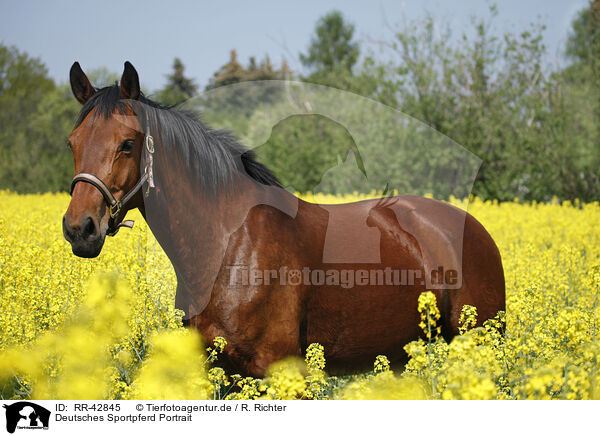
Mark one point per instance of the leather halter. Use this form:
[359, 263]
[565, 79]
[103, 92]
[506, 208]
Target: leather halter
[115, 205]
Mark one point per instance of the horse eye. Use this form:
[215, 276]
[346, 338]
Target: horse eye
[127, 146]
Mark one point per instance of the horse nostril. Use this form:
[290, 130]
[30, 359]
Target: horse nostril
[67, 229]
[89, 228]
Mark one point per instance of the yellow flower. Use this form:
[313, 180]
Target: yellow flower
[75, 328]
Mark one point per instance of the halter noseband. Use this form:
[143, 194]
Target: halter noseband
[114, 205]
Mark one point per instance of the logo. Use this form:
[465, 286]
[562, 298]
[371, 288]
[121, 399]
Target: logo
[26, 415]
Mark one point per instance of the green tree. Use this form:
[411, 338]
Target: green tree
[231, 107]
[36, 117]
[583, 43]
[296, 153]
[532, 127]
[493, 95]
[178, 88]
[230, 73]
[332, 47]
[24, 83]
[332, 60]
[234, 72]
[582, 77]
[51, 167]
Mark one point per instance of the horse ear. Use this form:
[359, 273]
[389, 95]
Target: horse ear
[80, 84]
[130, 83]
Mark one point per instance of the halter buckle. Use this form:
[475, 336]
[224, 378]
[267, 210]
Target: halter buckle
[115, 209]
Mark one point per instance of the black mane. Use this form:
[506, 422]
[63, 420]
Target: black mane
[215, 156]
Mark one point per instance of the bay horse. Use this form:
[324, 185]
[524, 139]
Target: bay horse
[269, 272]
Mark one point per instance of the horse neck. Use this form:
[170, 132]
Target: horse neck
[182, 214]
[193, 226]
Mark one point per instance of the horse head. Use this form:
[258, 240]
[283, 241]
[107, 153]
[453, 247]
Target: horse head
[107, 145]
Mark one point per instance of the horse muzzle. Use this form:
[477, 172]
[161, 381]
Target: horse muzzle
[84, 235]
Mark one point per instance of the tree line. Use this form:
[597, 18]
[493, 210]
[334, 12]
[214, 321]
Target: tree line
[535, 126]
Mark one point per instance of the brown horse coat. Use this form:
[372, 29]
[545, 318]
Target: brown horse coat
[290, 250]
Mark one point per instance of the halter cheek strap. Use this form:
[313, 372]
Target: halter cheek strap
[114, 205]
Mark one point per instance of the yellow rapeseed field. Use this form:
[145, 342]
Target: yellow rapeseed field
[74, 328]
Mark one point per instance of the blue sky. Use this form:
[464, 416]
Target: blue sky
[151, 33]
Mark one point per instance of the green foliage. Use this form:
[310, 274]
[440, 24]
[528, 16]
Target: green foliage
[233, 72]
[229, 102]
[324, 140]
[333, 55]
[51, 162]
[241, 99]
[332, 48]
[296, 150]
[583, 44]
[30, 156]
[179, 88]
[581, 82]
[36, 117]
[537, 130]
[495, 97]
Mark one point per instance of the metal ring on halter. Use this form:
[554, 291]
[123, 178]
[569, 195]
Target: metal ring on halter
[149, 144]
